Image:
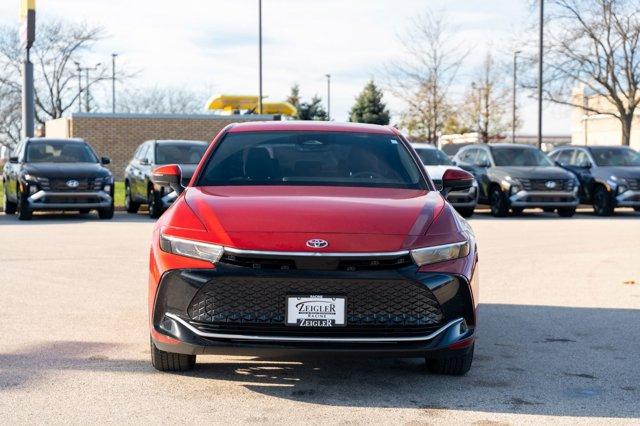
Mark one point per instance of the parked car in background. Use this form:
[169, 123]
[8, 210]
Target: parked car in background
[57, 174]
[312, 236]
[609, 175]
[437, 162]
[137, 183]
[513, 176]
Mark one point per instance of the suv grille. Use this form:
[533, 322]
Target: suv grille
[61, 185]
[634, 184]
[259, 303]
[541, 184]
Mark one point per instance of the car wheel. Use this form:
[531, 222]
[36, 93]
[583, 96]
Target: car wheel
[106, 213]
[169, 361]
[517, 210]
[637, 209]
[465, 211]
[566, 211]
[155, 204]
[453, 365]
[24, 212]
[548, 210]
[130, 205]
[9, 206]
[499, 203]
[602, 202]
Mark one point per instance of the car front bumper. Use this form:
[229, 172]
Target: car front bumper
[629, 198]
[544, 199]
[462, 199]
[69, 200]
[173, 315]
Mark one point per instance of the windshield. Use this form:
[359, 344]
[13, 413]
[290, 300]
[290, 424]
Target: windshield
[179, 152]
[60, 152]
[433, 157]
[615, 157]
[519, 157]
[305, 158]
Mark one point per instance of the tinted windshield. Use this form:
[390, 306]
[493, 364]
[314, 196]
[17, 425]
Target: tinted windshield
[302, 158]
[179, 153]
[59, 152]
[433, 157]
[519, 157]
[615, 157]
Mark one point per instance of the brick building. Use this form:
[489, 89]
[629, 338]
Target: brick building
[118, 135]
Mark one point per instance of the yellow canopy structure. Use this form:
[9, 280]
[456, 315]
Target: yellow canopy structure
[248, 102]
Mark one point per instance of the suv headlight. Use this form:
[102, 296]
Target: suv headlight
[435, 254]
[190, 248]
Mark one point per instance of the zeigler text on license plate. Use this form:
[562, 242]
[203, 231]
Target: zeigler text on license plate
[315, 311]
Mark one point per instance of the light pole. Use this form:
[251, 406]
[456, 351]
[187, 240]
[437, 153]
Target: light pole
[540, 62]
[79, 71]
[515, 83]
[113, 82]
[259, 56]
[328, 96]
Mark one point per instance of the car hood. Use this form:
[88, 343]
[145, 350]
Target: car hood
[66, 170]
[436, 172]
[550, 172]
[314, 210]
[620, 172]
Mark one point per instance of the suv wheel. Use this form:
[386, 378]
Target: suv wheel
[106, 213]
[517, 210]
[635, 208]
[452, 365]
[24, 212]
[499, 203]
[9, 206]
[169, 361]
[566, 211]
[130, 205]
[602, 202]
[155, 204]
[548, 210]
[465, 211]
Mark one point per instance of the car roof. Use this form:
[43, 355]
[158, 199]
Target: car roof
[511, 145]
[423, 145]
[163, 141]
[314, 126]
[77, 140]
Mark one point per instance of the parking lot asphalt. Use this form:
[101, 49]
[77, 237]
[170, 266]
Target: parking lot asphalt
[558, 341]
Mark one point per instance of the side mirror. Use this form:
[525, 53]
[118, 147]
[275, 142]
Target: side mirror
[454, 179]
[105, 160]
[169, 175]
[144, 162]
[13, 159]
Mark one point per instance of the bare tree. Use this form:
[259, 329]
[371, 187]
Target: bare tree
[58, 45]
[487, 101]
[595, 44]
[156, 100]
[423, 78]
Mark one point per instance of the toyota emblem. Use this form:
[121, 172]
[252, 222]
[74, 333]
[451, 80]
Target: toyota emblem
[317, 243]
[73, 183]
[550, 184]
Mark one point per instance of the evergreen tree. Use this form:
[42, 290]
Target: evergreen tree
[312, 110]
[294, 97]
[369, 107]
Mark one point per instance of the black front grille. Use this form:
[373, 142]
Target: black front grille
[61, 185]
[333, 263]
[547, 184]
[259, 303]
[634, 184]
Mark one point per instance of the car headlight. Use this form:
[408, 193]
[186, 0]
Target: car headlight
[190, 248]
[435, 254]
[29, 178]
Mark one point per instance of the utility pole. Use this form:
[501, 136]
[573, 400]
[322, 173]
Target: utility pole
[328, 96]
[27, 37]
[79, 71]
[540, 63]
[86, 81]
[113, 82]
[259, 56]
[515, 83]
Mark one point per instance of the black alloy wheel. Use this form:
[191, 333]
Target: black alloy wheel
[130, 205]
[499, 203]
[602, 202]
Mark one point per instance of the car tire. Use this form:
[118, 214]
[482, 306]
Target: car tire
[466, 211]
[155, 204]
[106, 213]
[129, 205]
[602, 202]
[498, 202]
[24, 212]
[637, 209]
[566, 211]
[9, 206]
[517, 210]
[169, 361]
[548, 210]
[453, 365]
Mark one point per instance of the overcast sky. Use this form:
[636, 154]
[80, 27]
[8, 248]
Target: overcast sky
[211, 45]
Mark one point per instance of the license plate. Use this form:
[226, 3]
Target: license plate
[315, 311]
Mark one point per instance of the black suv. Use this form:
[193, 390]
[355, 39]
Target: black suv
[57, 174]
[137, 183]
[516, 177]
[609, 175]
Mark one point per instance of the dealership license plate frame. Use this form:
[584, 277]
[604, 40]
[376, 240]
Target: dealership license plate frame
[293, 298]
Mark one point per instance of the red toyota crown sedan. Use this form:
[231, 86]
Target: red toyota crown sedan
[307, 236]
